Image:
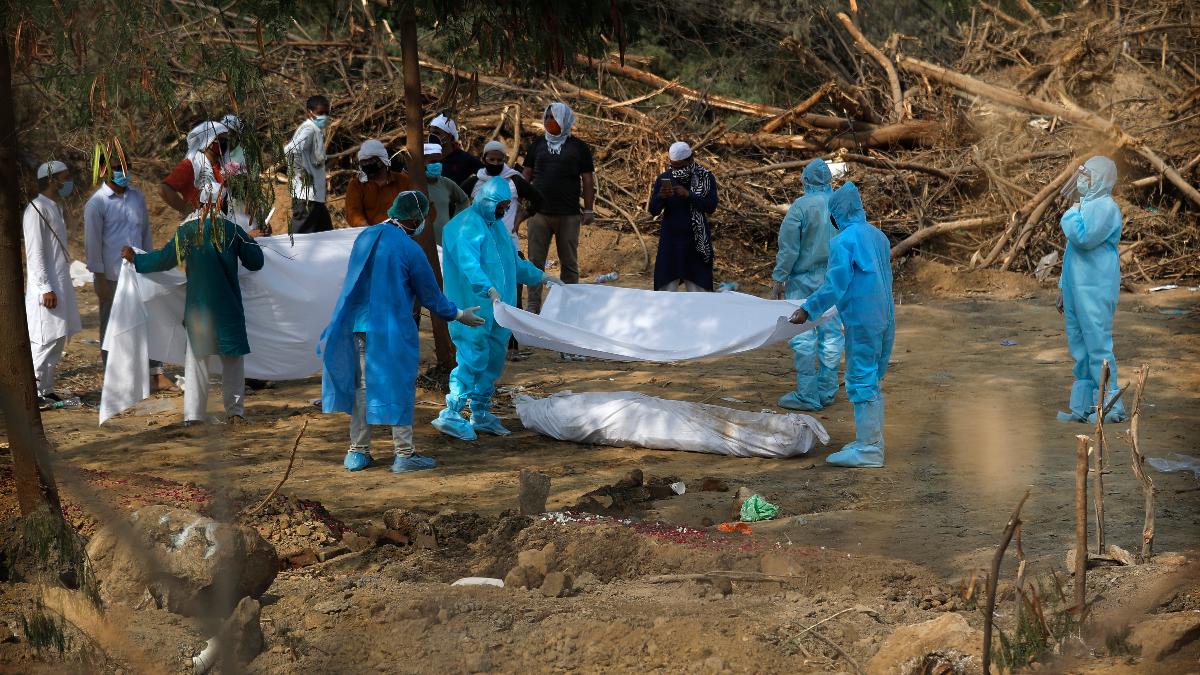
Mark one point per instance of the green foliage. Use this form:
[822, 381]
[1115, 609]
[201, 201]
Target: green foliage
[43, 631]
[1044, 623]
[46, 536]
[531, 36]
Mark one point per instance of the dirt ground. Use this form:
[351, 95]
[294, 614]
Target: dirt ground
[970, 427]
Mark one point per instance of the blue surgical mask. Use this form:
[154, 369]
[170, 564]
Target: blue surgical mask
[417, 232]
[66, 188]
[433, 170]
[321, 121]
[120, 179]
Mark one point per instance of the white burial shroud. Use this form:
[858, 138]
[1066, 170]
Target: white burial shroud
[628, 418]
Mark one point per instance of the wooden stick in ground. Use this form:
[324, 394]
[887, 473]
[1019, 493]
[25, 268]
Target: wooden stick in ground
[287, 472]
[773, 125]
[1098, 498]
[886, 63]
[1081, 519]
[1034, 14]
[941, 228]
[1139, 462]
[1069, 113]
[1014, 522]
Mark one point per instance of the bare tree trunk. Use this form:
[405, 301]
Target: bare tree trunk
[18, 396]
[443, 347]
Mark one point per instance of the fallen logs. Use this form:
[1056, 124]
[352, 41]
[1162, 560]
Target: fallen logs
[911, 133]
[1070, 113]
[941, 228]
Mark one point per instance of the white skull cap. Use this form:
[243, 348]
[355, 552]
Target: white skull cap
[679, 150]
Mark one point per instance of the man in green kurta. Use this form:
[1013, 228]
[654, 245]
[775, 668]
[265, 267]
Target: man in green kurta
[210, 248]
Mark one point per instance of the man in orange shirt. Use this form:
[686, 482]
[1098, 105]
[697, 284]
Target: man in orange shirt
[369, 197]
[180, 188]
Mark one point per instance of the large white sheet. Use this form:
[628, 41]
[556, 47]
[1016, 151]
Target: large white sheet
[627, 324]
[629, 418]
[288, 303]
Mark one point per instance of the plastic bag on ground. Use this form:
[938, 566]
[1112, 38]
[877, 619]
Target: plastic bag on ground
[755, 508]
[1175, 462]
[629, 418]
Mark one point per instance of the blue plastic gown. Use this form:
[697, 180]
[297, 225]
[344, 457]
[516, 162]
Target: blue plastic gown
[859, 283]
[389, 273]
[800, 265]
[1090, 283]
[478, 254]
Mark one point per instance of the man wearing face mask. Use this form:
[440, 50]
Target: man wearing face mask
[560, 167]
[50, 307]
[115, 217]
[457, 164]
[481, 267]
[447, 197]
[1090, 284]
[371, 193]
[207, 144]
[306, 162]
[370, 348]
[494, 164]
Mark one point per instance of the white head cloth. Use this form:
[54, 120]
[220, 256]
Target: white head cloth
[445, 124]
[495, 145]
[432, 149]
[374, 148]
[562, 113]
[679, 150]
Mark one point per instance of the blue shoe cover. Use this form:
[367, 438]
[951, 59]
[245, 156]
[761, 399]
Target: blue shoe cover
[485, 421]
[413, 463]
[357, 461]
[857, 455]
[451, 423]
[793, 401]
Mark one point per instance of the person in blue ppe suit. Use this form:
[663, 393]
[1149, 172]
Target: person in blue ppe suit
[800, 266]
[1090, 284]
[859, 283]
[480, 266]
[369, 350]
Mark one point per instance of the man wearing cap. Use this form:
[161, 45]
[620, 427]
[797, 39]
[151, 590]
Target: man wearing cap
[685, 195]
[445, 194]
[370, 348]
[370, 194]
[560, 167]
[50, 307]
[457, 164]
[528, 200]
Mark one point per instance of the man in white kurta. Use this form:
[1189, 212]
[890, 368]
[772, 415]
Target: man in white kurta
[50, 306]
